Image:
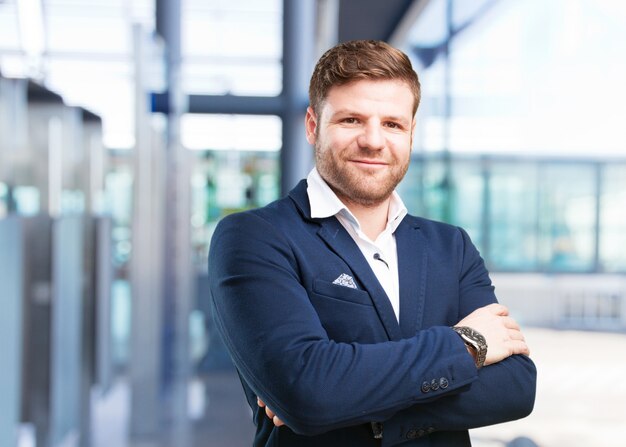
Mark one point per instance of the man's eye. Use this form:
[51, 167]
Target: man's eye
[350, 120]
[393, 125]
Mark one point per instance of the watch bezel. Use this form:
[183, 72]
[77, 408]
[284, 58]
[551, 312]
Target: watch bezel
[476, 340]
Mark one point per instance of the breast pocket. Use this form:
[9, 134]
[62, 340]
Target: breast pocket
[341, 293]
[348, 315]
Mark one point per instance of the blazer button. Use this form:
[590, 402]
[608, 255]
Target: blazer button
[411, 434]
[425, 387]
[434, 385]
[443, 383]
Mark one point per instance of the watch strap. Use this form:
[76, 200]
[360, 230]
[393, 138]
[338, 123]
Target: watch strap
[475, 341]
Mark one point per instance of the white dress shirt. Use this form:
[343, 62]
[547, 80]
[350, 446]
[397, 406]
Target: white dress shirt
[381, 254]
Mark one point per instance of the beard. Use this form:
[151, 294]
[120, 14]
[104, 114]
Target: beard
[357, 185]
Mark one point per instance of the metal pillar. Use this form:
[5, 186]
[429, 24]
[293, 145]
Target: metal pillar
[177, 269]
[327, 28]
[11, 346]
[145, 361]
[448, 182]
[296, 156]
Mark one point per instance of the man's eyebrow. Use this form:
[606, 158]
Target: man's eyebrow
[346, 112]
[397, 118]
[355, 112]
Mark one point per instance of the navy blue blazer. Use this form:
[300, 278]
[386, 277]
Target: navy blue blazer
[331, 359]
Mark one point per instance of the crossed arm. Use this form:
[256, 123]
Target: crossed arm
[504, 339]
[314, 384]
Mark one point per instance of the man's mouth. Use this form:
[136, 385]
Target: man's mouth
[370, 163]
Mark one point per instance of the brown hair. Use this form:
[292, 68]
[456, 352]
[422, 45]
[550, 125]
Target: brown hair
[360, 59]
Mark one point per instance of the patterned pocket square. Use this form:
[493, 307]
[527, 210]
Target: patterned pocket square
[345, 280]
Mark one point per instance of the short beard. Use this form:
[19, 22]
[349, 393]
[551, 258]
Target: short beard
[356, 190]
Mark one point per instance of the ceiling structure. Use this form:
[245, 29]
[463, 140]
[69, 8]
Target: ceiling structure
[89, 43]
[371, 19]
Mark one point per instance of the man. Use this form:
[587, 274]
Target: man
[350, 322]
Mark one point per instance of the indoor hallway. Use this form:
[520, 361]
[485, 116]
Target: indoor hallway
[579, 404]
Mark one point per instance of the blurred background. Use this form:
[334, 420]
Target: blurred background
[128, 128]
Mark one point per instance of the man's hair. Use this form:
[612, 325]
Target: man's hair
[360, 60]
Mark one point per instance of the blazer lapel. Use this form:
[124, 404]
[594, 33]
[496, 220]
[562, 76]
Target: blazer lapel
[412, 261]
[338, 239]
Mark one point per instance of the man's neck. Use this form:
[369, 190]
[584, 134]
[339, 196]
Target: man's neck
[372, 218]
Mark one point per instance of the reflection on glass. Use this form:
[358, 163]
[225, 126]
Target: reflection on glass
[527, 214]
[435, 189]
[513, 216]
[119, 193]
[27, 200]
[218, 57]
[4, 200]
[225, 182]
[613, 219]
[466, 199]
[567, 217]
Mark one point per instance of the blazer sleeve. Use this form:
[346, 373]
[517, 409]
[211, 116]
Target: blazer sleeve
[282, 352]
[504, 391]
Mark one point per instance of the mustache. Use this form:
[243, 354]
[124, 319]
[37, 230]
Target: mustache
[370, 154]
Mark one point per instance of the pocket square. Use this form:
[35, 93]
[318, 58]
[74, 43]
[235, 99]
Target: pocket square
[345, 280]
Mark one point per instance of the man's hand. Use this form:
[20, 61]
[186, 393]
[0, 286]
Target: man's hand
[270, 414]
[502, 333]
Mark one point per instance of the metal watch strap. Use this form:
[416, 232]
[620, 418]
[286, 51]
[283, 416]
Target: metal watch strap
[475, 340]
[377, 429]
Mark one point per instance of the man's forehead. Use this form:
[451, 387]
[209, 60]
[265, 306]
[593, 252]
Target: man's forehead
[385, 94]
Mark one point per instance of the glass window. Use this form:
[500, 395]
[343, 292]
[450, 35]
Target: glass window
[239, 132]
[447, 190]
[232, 47]
[513, 188]
[412, 186]
[432, 133]
[567, 210]
[249, 77]
[466, 203]
[431, 29]
[613, 219]
[523, 72]
[227, 181]
[4, 200]
[9, 31]
[425, 188]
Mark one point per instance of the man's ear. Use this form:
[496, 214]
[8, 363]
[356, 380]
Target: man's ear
[310, 124]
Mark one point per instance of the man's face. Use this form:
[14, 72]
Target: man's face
[363, 139]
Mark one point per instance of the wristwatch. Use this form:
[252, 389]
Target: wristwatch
[475, 341]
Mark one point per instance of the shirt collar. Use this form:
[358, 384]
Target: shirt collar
[325, 203]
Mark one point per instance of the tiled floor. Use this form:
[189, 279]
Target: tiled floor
[225, 420]
[581, 401]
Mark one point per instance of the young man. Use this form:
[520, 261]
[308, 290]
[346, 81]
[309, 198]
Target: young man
[350, 322]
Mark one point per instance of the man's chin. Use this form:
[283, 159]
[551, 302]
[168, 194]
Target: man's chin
[369, 197]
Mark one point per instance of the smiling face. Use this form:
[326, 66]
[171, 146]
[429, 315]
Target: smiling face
[363, 139]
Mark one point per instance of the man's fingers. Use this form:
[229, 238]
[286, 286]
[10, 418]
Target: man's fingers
[277, 422]
[519, 347]
[270, 414]
[510, 323]
[517, 335]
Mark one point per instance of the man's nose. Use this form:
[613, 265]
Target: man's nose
[372, 137]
